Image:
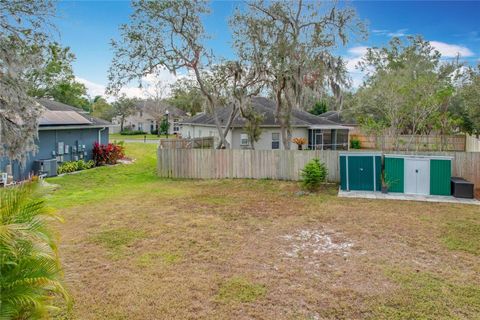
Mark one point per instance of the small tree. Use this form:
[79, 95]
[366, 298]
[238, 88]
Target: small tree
[164, 126]
[319, 108]
[123, 108]
[252, 124]
[102, 109]
[314, 173]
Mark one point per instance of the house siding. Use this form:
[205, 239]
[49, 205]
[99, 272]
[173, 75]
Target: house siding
[265, 141]
[233, 137]
[47, 143]
[144, 122]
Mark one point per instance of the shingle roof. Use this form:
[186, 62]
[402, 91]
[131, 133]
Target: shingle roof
[266, 107]
[60, 114]
[53, 105]
[174, 111]
[338, 117]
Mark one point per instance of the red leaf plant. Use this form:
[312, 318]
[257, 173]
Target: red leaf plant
[107, 153]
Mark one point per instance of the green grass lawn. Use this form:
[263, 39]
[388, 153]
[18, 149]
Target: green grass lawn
[119, 137]
[135, 246]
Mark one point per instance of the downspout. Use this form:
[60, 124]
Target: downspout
[100, 135]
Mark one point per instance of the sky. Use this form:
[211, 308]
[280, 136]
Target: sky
[87, 27]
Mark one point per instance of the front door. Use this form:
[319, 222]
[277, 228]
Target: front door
[417, 176]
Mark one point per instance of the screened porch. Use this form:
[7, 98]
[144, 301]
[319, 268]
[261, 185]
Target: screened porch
[328, 139]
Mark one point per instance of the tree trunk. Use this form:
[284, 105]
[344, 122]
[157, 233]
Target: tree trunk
[211, 104]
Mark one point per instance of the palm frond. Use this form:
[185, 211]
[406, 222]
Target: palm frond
[31, 272]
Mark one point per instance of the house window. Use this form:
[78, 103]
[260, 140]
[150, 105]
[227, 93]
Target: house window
[275, 141]
[244, 139]
[176, 128]
[140, 126]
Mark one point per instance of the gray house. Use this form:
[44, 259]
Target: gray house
[320, 133]
[65, 133]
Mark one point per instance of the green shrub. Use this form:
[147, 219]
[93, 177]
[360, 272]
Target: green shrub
[314, 173]
[71, 166]
[355, 143]
[30, 281]
[132, 132]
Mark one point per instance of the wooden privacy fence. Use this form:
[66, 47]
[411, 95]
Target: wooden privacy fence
[416, 142]
[233, 163]
[276, 164]
[189, 143]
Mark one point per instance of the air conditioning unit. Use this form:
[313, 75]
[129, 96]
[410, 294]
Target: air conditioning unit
[47, 166]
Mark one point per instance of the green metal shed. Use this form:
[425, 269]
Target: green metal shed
[413, 174]
[360, 171]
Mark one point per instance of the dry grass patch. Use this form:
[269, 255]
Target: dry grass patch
[246, 249]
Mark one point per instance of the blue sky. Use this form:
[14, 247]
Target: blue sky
[453, 26]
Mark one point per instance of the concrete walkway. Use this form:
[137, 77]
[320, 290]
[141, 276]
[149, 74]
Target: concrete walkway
[402, 196]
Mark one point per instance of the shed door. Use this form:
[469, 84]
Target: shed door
[417, 176]
[361, 173]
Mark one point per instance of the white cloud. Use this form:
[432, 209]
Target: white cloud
[355, 55]
[93, 89]
[358, 51]
[148, 89]
[398, 33]
[389, 33]
[451, 50]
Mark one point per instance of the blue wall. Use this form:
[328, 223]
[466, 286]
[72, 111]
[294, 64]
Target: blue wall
[48, 142]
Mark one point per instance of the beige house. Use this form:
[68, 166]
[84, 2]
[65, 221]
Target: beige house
[319, 132]
[142, 119]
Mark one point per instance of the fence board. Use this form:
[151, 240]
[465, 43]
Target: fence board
[472, 144]
[277, 164]
[412, 142]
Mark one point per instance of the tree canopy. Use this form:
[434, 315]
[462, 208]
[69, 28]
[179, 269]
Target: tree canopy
[23, 42]
[294, 41]
[408, 90]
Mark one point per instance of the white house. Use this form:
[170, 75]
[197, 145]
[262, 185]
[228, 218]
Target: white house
[141, 120]
[319, 132]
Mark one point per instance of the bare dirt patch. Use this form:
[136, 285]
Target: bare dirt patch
[310, 244]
